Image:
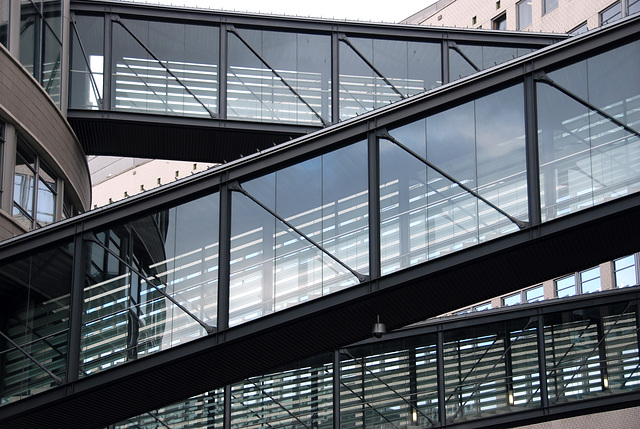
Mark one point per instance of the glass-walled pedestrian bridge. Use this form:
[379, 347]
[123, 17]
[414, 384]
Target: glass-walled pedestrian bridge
[503, 179]
[480, 370]
[253, 80]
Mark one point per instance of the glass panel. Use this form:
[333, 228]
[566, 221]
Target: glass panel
[51, 67]
[303, 61]
[611, 14]
[409, 67]
[585, 158]
[566, 286]
[294, 398]
[490, 370]
[525, 14]
[87, 62]
[480, 144]
[34, 303]
[625, 271]
[274, 267]
[634, 6]
[125, 315]
[591, 352]
[201, 411]
[590, 280]
[29, 49]
[4, 21]
[390, 385]
[469, 57]
[141, 83]
[24, 186]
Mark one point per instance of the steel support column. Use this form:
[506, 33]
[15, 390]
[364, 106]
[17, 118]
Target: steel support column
[531, 142]
[76, 304]
[224, 256]
[374, 205]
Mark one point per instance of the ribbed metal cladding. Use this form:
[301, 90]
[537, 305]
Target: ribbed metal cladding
[175, 141]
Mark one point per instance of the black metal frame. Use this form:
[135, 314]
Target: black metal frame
[611, 228]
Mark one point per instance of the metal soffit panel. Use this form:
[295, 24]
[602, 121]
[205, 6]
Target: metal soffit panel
[173, 138]
[478, 273]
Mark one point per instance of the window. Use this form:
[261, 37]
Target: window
[512, 299]
[625, 271]
[566, 286]
[549, 5]
[498, 5]
[4, 21]
[474, 20]
[582, 28]
[34, 189]
[524, 14]
[579, 283]
[482, 307]
[500, 23]
[1, 154]
[534, 294]
[634, 7]
[611, 14]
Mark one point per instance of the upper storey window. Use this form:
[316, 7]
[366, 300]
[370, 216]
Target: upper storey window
[525, 15]
[41, 42]
[611, 14]
[549, 5]
[4, 21]
[500, 23]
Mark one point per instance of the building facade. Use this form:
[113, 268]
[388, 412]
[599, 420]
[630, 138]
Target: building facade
[244, 295]
[43, 172]
[561, 16]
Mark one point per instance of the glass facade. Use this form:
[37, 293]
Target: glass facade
[489, 369]
[424, 213]
[585, 157]
[274, 266]
[35, 322]
[405, 68]
[41, 43]
[283, 231]
[158, 67]
[634, 7]
[148, 284]
[549, 5]
[279, 77]
[271, 76]
[33, 208]
[466, 59]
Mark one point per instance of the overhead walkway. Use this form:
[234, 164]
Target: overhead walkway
[213, 86]
[476, 370]
[497, 181]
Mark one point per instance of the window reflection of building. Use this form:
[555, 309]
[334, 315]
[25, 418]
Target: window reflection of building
[33, 208]
[41, 43]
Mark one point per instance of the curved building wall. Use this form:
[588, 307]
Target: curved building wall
[31, 120]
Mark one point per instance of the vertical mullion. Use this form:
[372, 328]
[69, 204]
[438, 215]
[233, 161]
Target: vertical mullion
[76, 306]
[531, 141]
[374, 204]
[224, 256]
[336, 390]
[108, 59]
[335, 78]
[542, 361]
[223, 65]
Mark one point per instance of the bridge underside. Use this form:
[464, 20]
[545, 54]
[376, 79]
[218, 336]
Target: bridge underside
[571, 243]
[185, 139]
